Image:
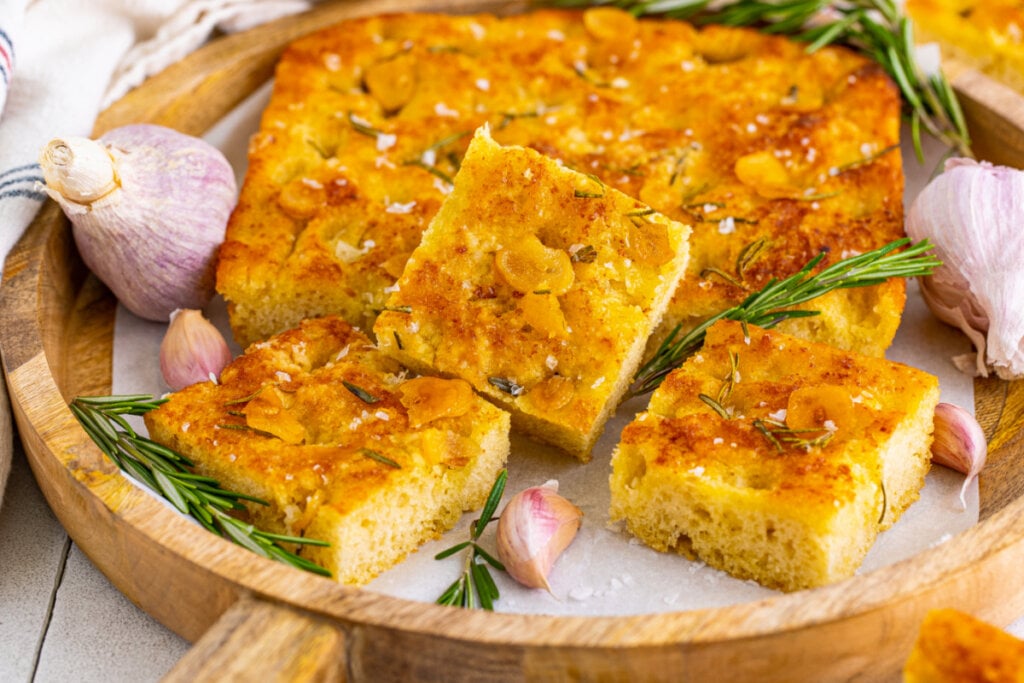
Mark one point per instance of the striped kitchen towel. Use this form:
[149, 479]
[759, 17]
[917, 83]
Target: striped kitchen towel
[61, 61]
[6, 64]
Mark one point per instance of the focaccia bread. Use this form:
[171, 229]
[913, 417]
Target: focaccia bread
[539, 286]
[988, 36]
[770, 153]
[341, 445]
[955, 647]
[775, 459]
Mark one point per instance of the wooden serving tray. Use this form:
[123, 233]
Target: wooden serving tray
[253, 618]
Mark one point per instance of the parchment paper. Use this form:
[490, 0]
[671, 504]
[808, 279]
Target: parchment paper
[605, 571]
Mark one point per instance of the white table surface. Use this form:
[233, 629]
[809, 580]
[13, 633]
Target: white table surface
[60, 618]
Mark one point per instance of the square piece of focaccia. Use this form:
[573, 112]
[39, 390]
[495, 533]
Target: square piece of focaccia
[775, 459]
[539, 286]
[770, 153]
[986, 35]
[342, 446]
[956, 647]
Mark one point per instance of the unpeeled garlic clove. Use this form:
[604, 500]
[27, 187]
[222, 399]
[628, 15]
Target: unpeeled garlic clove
[959, 443]
[535, 527]
[971, 212]
[193, 350]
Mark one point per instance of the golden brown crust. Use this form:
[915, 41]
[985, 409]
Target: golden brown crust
[657, 109]
[539, 286]
[955, 647]
[988, 36]
[308, 421]
[774, 458]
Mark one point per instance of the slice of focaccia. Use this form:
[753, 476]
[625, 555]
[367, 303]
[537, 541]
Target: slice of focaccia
[775, 459]
[956, 647]
[539, 286]
[987, 35]
[770, 153]
[340, 444]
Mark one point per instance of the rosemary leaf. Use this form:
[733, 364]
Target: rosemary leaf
[775, 301]
[384, 460]
[454, 549]
[585, 254]
[476, 585]
[490, 559]
[433, 170]
[509, 386]
[876, 28]
[166, 472]
[714, 405]
[360, 393]
[362, 127]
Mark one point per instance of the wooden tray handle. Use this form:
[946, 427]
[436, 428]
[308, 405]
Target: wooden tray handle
[994, 114]
[261, 640]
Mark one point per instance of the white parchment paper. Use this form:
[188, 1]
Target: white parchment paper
[605, 571]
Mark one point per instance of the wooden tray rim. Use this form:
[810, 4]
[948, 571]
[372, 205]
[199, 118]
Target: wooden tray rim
[49, 428]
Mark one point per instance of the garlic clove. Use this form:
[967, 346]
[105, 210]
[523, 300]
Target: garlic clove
[971, 213]
[192, 351]
[959, 443]
[535, 527]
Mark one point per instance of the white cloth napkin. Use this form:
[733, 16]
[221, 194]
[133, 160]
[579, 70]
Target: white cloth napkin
[62, 61]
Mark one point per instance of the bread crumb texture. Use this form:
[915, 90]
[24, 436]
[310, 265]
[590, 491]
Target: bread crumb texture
[341, 444]
[775, 459]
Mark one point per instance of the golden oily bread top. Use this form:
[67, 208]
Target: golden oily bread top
[745, 136]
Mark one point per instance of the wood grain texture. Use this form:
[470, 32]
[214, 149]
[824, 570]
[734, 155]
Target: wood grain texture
[258, 640]
[994, 113]
[55, 334]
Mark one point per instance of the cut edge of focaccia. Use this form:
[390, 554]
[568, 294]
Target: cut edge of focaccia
[369, 120]
[715, 478]
[539, 286]
[375, 480]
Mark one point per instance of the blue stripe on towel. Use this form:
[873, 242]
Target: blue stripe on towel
[27, 194]
[19, 169]
[24, 179]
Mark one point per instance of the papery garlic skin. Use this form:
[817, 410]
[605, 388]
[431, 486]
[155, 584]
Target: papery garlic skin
[192, 350]
[959, 443]
[535, 527]
[149, 207]
[973, 213]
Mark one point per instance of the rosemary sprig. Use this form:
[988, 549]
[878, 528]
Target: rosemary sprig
[876, 28]
[775, 301]
[778, 435]
[170, 474]
[475, 586]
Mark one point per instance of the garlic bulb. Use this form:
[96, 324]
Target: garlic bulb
[959, 443]
[535, 527]
[973, 214]
[193, 350]
[148, 208]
